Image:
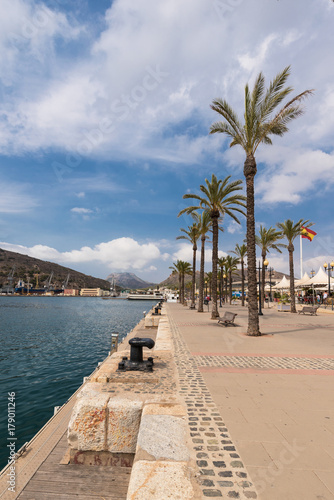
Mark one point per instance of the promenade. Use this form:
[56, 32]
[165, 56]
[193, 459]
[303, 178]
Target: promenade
[273, 400]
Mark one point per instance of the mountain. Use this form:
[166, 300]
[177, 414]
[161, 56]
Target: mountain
[36, 269]
[129, 281]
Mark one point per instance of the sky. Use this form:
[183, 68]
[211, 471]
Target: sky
[105, 118]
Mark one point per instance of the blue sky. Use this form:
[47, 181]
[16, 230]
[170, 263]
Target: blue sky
[105, 113]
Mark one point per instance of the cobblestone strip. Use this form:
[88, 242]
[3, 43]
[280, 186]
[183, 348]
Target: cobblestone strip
[222, 473]
[261, 362]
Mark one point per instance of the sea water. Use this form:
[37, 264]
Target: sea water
[47, 346]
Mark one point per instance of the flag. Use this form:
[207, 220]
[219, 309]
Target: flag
[307, 233]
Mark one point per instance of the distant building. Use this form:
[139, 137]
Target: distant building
[91, 292]
[71, 292]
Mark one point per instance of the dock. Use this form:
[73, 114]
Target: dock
[258, 411]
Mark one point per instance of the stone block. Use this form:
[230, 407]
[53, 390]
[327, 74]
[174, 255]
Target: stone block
[159, 481]
[162, 437]
[164, 408]
[123, 424]
[87, 427]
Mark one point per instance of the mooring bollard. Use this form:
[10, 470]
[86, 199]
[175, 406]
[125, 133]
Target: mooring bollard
[114, 342]
[136, 356]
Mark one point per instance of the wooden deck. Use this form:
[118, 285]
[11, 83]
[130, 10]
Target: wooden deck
[41, 476]
[54, 481]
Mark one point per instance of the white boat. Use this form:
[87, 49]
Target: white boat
[150, 295]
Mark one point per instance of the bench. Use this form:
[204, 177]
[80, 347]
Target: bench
[309, 310]
[227, 319]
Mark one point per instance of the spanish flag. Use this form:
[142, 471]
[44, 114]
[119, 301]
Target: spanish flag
[307, 233]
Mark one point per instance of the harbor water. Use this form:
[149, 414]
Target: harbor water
[48, 344]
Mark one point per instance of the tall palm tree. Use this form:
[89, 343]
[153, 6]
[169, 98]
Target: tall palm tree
[259, 124]
[192, 234]
[181, 268]
[240, 251]
[231, 267]
[219, 199]
[290, 230]
[204, 224]
[266, 240]
[185, 270]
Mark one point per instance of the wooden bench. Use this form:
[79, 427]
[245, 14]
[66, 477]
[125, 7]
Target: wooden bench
[309, 310]
[227, 319]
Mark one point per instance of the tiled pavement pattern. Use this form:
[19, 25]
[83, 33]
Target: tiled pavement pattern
[222, 471]
[265, 362]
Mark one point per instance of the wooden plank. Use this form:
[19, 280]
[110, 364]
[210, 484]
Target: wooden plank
[87, 470]
[64, 496]
[98, 489]
[69, 475]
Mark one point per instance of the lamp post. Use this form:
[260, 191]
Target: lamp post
[271, 273]
[329, 268]
[260, 307]
[312, 273]
[220, 288]
[225, 296]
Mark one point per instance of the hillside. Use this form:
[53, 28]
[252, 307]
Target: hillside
[129, 281]
[26, 266]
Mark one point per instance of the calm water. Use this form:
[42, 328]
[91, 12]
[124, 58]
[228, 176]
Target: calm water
[48, 344]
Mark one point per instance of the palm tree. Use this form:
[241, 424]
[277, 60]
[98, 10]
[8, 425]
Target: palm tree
[192, 235]
[290, 231]
[209, 281]
[231, 267]
[204, 224]
[241, 251]
[219, 200]
[266, 240]
[176, 269]
[259, 125]
[181, 268]
[185, 270]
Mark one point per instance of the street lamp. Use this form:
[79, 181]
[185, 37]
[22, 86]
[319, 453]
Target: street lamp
[270, 271]
[266, 264]
[260, 307]
[329, 268]
[312, 272]
[225, 296]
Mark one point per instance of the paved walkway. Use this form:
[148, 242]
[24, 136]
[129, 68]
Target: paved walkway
[271, 397]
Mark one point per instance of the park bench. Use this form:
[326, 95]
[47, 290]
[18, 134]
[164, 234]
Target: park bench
[309, 310]
[227, 319]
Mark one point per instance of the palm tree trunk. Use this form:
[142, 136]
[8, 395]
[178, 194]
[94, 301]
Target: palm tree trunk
[193, 278]
[201, 276]
[226, 288]
[242, 284]
[180, 288]
[214, 312]
[292, 279]
[253, 315]
[263, 279]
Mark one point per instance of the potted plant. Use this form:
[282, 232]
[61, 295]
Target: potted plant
[283, 304]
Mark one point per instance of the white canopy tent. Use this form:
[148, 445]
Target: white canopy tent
[284, 284]
[303, 280]
[320, 279]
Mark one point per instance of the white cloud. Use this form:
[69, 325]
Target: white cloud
[294, 172]
[185, 252]
[124, 97]
[120, 254]
[16, 199]
[78, 210]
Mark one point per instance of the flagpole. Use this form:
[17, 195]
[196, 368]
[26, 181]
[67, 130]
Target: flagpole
[301, 257]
